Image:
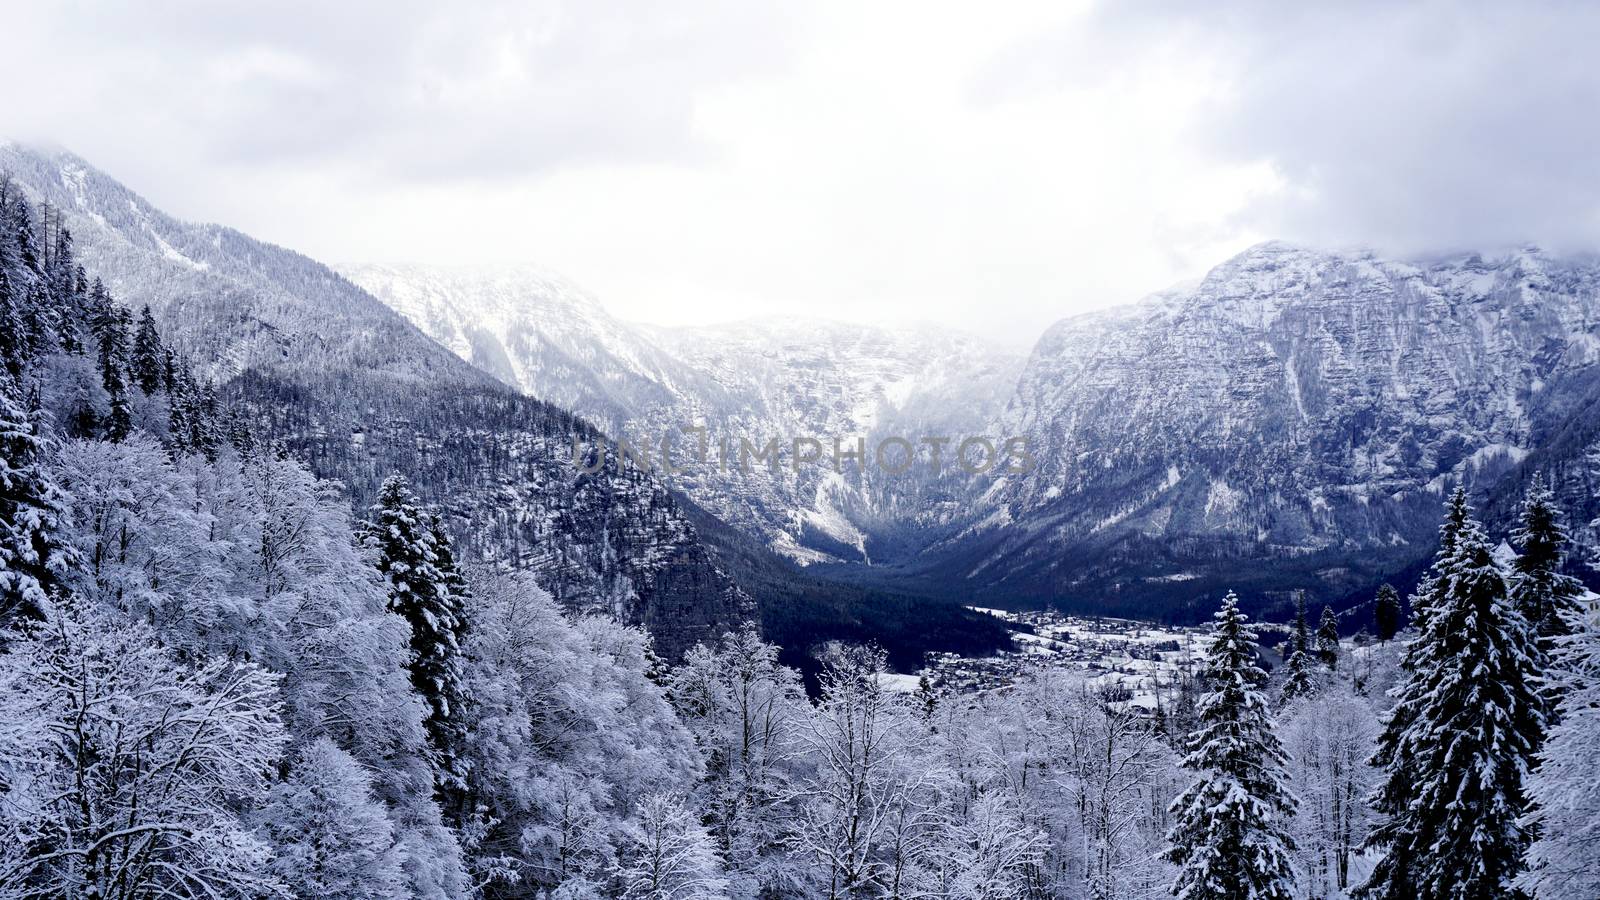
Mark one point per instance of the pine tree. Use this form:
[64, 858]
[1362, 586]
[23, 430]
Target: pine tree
[34, 556]
[20, 261]
[62, 281]
[203, 411]
[13, 347]
[450, 731]
[180, 393]
[1546, 597]
[1393, 754]
[1231, 839]
[111, 329]
[1433, 583]
[1386, 612]
[147, 354]
[1328, 639]
[1300, 681]
[1460, 739]
[407, 549]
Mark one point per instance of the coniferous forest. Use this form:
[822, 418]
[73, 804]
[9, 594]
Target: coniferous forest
[222, 676]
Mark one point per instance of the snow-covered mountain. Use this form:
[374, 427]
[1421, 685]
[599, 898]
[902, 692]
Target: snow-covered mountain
[1288, 421]
[757, 381]
[359, 393]
[534, 331]
[1297, 410]
[1293, 418]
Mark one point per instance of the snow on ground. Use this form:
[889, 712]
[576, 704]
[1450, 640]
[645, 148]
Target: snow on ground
[898, 683]
[1137, 660]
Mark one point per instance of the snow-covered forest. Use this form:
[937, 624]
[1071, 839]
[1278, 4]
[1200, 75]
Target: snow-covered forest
[215, 681]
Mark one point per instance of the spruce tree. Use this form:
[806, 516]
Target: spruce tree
[180, 392]
[13, 347]
[1300, 681]
[405, 540]
[62, 279]
[111, 330]
[453, 580]
[20, 261]
[450, 731]
[34, 556]
[1328, 639]
[1386, 613]
[1429, 591]
[147, 354]
[1231, 840]
[203, 430]
[1433, 583]
[1460, 739]
[1546, 597]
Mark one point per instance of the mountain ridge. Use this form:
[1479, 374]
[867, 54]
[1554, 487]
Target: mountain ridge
[358, 392]
[756, 379]
[1296, 407]
[345, 383]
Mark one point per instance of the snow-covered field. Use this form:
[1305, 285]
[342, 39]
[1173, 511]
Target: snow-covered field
[1136, 658]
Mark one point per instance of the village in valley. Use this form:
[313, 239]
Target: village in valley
[1138, 663]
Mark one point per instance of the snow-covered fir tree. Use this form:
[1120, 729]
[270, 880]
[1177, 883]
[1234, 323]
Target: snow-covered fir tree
[1546, 596]
[33, 555]
[110, 323]
[404, 540]
[1458, 744]
[1435, 581]
[1231, 839]
[148, 354]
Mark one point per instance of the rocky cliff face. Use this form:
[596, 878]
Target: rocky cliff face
[758, 381]
[359, 392]
[1290, 421]
[1295, 414]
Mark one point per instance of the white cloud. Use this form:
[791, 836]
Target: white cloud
[991, 168]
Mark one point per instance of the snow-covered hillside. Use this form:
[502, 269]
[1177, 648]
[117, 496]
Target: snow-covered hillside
[1294, 405]
[757, 380]
[360, 393]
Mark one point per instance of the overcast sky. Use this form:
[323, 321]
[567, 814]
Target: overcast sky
[989, 166]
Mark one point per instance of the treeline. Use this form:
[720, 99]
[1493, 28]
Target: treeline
[214, 682]
[101, 372]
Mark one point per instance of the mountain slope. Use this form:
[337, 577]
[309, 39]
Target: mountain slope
[758, 381]
[1291, 420]
[344, 381]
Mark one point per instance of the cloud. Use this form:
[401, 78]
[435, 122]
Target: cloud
[713, 159]
[1412, 127]
[413, 89]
